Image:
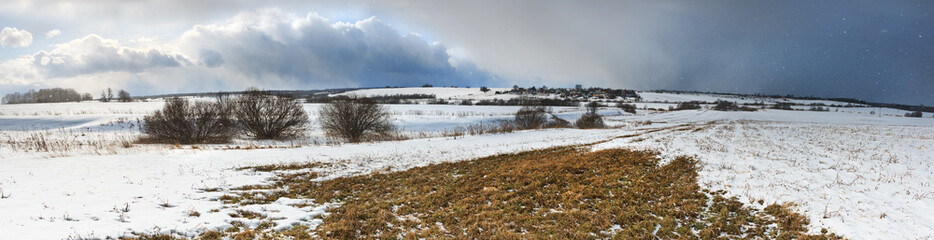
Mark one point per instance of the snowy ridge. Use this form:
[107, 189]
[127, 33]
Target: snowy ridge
[687, 97]
[439, 92]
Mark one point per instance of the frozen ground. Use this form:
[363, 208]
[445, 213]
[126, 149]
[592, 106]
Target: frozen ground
[857, 174]
[862, 179]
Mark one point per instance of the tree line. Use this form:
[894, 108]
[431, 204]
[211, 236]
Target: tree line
[47, 95]
[57, 95]
[261, 114]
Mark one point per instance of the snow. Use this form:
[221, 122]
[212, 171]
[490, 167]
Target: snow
[87, 189]
[857, 174]
[82, 192]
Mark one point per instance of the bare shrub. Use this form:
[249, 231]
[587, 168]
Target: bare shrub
[725, 106]
[355, 119]
[916, 114]
[504, 127]
[627, 107]
[530, 117]
[557, 122]
[722, 105]
[783, 106]
[688, 105]
[185, 123]
[819, 109]
[590, 119]
[262, 115]
[437, 101]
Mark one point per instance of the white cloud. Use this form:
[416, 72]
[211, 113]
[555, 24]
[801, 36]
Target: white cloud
[52, 33]
[15, 38]
[91, 63]
[18, 71]
[267, 48]
[93, 54]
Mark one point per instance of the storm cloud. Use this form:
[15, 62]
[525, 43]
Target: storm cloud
[872, 50]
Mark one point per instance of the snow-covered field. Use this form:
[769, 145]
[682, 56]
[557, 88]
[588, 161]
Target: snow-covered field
[862, 180]
[861, 175]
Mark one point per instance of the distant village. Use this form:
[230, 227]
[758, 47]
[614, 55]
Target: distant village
[578, 92]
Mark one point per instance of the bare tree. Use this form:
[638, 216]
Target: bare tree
[110, 94]
[266, 116]
[182, 122]
[590, 119]
[224, 102]
[355, 119]
[124, 96]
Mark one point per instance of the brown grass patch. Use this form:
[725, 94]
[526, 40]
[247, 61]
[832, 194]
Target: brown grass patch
[564, 193]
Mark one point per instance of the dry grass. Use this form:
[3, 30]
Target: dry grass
[565, 193]
[66, 142]
[481, 128]
[283, 167]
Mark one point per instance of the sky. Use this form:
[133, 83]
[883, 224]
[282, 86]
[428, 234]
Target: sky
[880, 51]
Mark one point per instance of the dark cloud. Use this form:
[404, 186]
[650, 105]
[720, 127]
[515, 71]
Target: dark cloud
[871, 51]
[210, 58]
